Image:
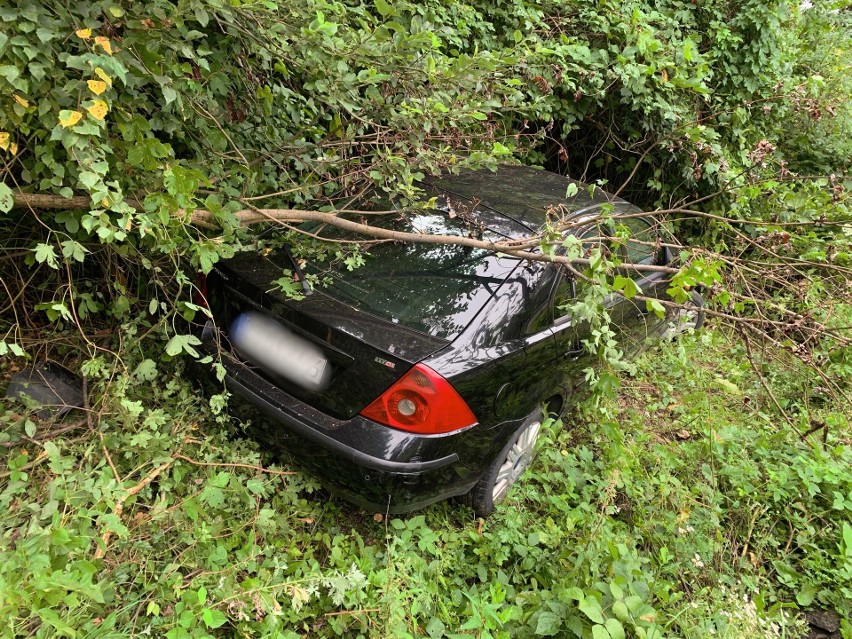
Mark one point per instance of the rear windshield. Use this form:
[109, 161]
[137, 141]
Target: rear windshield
[434, 289]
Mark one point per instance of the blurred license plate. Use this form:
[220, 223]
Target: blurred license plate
[265, 342]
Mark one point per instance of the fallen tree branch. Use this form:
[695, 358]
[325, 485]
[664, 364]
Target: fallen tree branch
[260, 469]
[205, 219]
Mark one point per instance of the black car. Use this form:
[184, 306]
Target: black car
[423, 374]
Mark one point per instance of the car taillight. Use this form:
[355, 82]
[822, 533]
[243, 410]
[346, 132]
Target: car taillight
[421, 401]
[201, 291]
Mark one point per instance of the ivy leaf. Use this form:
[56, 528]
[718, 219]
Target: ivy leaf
[44, 253]
[654, 306]
[183, 343]
[6, 198]
[626, 286]
[75, 250]
[146, 370]
[4, 140]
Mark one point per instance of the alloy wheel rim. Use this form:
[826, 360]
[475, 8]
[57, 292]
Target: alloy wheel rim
[681, 322]
[519, 457]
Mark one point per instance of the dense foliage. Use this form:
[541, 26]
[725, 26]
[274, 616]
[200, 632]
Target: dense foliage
[655, 512]
[685, 512]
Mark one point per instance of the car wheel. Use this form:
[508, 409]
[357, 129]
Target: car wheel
[690, 316]
[507, 467]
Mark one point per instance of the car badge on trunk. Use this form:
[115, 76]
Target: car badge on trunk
[385, 362]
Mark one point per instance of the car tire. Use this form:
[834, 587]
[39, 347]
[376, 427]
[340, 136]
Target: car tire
[507, 467]
[689, 316]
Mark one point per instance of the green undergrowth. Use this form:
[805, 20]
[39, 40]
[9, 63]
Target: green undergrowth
[687, 507]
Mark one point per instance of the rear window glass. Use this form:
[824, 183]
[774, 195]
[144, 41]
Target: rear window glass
[431, 288]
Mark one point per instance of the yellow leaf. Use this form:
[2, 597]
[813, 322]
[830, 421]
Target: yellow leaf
[13, 148]
[4, 140]
[20, 100]
[83, 33]
[665, 76]
[70, 118]
[96, 86]
[104, 44]
[98, 109]
[103, 76]
[105, 203]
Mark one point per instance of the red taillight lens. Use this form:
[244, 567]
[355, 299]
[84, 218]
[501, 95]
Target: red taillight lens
[201, 291]
[421, 401]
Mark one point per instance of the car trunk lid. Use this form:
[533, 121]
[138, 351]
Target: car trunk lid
[363, 354]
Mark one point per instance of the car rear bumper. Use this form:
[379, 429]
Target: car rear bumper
[372, 465]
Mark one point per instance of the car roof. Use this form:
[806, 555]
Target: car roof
[514, 200]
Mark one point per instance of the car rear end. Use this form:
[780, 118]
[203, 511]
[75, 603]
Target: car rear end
[337, 378]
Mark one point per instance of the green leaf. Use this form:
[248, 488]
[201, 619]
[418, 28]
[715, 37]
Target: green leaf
[600, 632]
[574, 593]
[213, 618]
[383, 8]
[6, 198]
[146, 370]
[44, 253]
[591, 607]
[619, 609]
[52, 619]
[435, 628]
[616, 590]
[89, 179]
[615, 629]
[548, 624]
[183, 343]
[805, 597]
[169, 94]
[658, 309]
[626, 286]
[728, 386]
[73, 249]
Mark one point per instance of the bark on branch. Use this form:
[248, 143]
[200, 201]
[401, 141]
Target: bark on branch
[247, 217]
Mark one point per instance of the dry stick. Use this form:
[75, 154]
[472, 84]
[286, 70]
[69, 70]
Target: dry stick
[119, 504]
[38, 460]
[260, 469]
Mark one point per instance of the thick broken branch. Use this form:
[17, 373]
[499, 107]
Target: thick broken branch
[205, 219]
